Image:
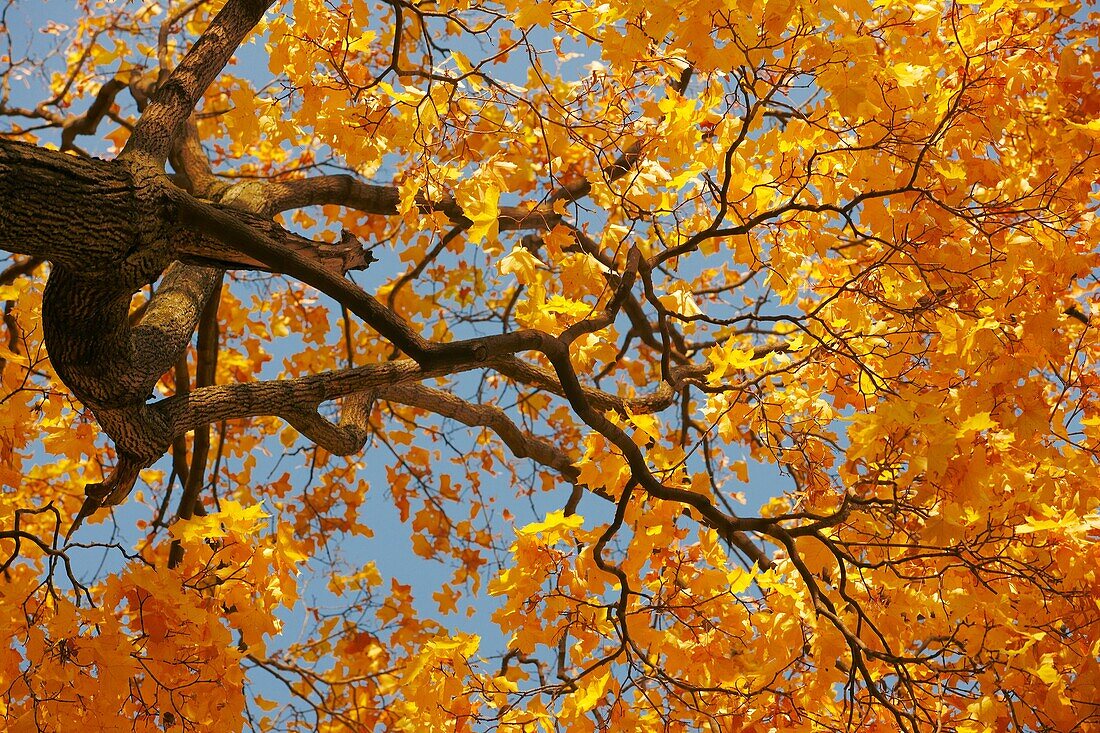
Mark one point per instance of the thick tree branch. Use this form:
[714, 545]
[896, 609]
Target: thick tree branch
[346, 190]
[115, 376]
[170, 319]
[189, 160]
[127, 223]
[336, 258]
[220, 225]
[81, 213]
[206, 405]
[192, 410]
[159, 126]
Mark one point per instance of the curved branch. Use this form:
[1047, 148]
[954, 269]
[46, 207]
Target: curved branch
[342, 438]
[170, 318]
[189, 160]
[346, 190]
[87, 123]
[336, 258]
[159, 125]
[522, 444]
[297, 397]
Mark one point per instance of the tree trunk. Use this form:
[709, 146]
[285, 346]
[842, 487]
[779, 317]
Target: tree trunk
[108, 229]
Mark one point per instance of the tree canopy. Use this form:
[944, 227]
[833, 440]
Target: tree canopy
[559, 281]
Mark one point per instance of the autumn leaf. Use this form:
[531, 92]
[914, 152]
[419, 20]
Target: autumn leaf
[522, 264]
[549, 366]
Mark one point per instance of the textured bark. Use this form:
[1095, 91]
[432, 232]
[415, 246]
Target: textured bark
[87, 123]
[86, 215]
[111, 227]
[344, 190]
[160, 124]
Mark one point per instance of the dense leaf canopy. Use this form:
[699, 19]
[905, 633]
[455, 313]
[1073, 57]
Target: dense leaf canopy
[730, 366]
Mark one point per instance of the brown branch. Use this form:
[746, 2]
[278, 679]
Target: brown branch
[224, 226]
[343, 438]
[336, 258]
[112, 491]
[87, 123]
[189, 160]
[346, 190]
[520, 443]
[206, 362]
[205, 405]
[18, 269]
[180, 462]
[159, 125]
[128, 364]
[169, 320]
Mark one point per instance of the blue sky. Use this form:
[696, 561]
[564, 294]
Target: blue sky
[390, 548]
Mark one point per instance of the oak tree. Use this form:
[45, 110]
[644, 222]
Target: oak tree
[555, 280]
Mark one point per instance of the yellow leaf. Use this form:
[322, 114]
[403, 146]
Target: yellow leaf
[1092, 127]
[681, 301]
[553, 524]
[648, 424]
[479, 200]
[590, 691]
[907, 74]
[462, 62]
[739, 579]
[574, 308]
[535, 13]
[362, 44]
[233, 518]
[978, 422]
[522, 264]
[1046, 671]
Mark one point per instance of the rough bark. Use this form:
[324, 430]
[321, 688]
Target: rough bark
[110, 227]
[130, 223]
[344, 190]
[162, 121]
